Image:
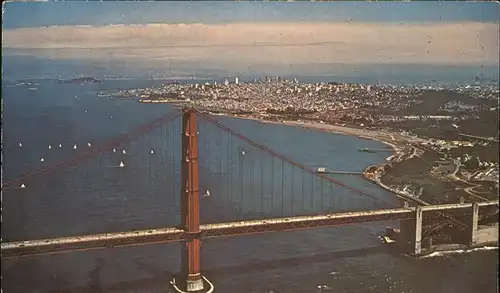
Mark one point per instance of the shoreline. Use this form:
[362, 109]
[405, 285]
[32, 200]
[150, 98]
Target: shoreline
[359, 133]
[323, 127]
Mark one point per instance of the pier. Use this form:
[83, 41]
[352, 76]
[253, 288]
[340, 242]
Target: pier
[367, 150]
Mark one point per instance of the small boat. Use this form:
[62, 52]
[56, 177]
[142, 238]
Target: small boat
[152, 152]
[89, 144]
[207, 193]
[114, 150]
[243, 153]
[50, 147]
[390, 231]
[121, 165]
[60, 145]
[20, 145]
[388, 240]
[74, 147]
[124, 152]
[41, 160]
[367, 150]
[390, 234]
[23, 186]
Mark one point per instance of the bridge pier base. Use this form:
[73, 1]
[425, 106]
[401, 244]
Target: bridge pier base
[195, 285]
[192, 280]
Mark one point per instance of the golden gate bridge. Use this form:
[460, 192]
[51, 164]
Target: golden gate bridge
[192, 160]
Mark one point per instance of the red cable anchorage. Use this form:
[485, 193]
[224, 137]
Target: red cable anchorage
[283, 158]
[106, 146]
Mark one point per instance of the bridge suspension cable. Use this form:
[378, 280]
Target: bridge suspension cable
[310, 171]
[285, 159]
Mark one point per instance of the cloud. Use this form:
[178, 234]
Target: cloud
[253, 44]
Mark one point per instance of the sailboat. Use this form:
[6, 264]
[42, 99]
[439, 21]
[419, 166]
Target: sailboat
[41, 160]
[121, 165]
[74, 147]
[20, 145]
[50, 147]
[22, 186]
[207, 193]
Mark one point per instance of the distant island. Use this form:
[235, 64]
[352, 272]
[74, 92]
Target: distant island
[81, 80]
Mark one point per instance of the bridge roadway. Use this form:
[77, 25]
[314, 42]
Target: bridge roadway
[173, 234]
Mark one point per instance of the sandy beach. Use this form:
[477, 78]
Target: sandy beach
[379, 136]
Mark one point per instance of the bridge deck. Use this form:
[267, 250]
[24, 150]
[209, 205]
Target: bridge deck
[172, 234]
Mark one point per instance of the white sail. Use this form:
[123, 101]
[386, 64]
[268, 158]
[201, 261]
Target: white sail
[122, 165]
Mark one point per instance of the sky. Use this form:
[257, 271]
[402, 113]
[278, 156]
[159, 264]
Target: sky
[255, 36]
[33, 14]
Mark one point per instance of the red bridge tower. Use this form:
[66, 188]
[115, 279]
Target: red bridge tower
[191, 278]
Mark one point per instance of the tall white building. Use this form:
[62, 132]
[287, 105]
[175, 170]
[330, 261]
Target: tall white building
[236, 81]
